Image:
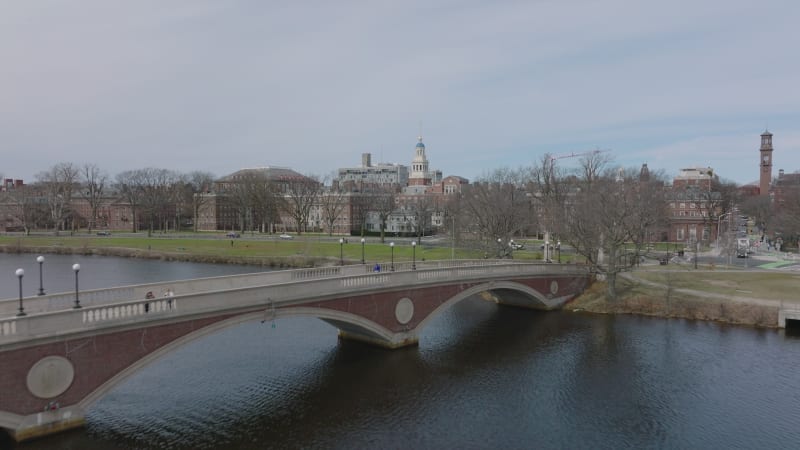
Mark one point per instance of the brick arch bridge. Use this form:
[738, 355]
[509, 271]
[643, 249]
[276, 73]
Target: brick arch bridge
[58, 360]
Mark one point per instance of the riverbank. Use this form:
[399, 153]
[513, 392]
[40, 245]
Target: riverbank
[738, 297]
[298, 252]
[271, 261]
[666, 295]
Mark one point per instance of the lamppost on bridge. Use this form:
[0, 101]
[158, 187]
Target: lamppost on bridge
[546, 251]
[391, 245]
[558, 247]
[362, 250]
[76, 268]
[20, 273]
[341, 251]
[414, 255]
[499, 248]
[40, 260]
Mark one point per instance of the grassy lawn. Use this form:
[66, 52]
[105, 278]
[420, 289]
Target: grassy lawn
[754, 284]
[313, 246]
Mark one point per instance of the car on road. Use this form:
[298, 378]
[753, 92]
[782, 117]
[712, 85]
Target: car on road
[286, 236]
[104, 233]
[233, 234]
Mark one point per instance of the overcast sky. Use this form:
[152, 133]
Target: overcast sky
[221, 85]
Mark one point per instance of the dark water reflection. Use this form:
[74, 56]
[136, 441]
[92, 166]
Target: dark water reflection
[482, 377]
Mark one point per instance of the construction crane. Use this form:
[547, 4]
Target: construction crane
[552, 159]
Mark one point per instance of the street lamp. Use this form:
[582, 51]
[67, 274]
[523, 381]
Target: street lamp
[40, 260]
[453, 239]
[76, 268]
[391, 244]
[20, 273]
[546, 251]
[558, 247]
[414, 255]
[362, 250]
[499, 248]
[341, 251]
[719, 220]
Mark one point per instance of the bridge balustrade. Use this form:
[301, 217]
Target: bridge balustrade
[253, 292]
[93, 297]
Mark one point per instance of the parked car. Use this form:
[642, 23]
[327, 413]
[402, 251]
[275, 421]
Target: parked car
[517, 246]
[286, 236]
[233, 234]
[104, 233]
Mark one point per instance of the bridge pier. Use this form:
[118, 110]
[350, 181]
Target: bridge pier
[399, 340]
[45, 423]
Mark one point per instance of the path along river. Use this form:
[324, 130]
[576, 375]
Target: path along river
[483, 376]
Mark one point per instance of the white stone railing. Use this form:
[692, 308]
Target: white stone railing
[8, 327]
[252, 292]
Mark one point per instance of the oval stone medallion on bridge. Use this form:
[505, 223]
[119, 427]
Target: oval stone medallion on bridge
[554, 287]
[404, 310]
[50, 377]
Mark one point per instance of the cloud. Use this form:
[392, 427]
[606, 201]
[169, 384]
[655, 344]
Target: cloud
[219, 86]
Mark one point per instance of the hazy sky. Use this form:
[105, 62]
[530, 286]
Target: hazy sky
[221, 85]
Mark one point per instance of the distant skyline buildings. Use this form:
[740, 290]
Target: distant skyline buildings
[418, 172]
[391, 173]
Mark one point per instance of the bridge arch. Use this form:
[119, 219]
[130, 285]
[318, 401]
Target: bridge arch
[351, 324]
[498, 289]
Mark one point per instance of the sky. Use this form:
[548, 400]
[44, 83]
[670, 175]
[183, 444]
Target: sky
[311, 85]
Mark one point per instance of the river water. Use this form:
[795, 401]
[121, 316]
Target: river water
[482, 377]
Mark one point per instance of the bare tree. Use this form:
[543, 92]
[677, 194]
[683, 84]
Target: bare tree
[24, 210]
[760, 209]
[786, 213]
[496, 208]
[593, 165]
[193, 186]
[606, 214]
[332, 206]
[422, 208]
[239, 196]
[157, 198]
[93, 184]
[266, 201]
[360, 204]
[129, 184]
[301, 196]
[383, 204]
[57, 184]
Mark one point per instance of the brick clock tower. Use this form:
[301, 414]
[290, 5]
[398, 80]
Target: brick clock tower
[766, 162]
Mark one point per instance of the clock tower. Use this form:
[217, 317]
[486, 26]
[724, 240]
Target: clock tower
[766, 162]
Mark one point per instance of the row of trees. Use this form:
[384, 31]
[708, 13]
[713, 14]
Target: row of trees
[162, 196]
[607, 215]
[161, 199]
